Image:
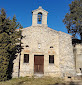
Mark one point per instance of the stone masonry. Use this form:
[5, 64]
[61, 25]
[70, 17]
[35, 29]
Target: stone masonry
[39, 38]
[78, 58]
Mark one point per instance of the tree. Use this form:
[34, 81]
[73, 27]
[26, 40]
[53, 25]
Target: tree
[73, 19]
[8, 39]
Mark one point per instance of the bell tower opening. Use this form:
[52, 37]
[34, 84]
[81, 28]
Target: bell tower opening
[39, 18]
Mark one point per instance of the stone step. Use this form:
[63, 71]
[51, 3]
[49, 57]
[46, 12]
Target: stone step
[38, 75]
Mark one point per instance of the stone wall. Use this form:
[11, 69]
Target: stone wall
[67, 63]
[46, 37]
[78, 58]
[39, 39]
[15, 67]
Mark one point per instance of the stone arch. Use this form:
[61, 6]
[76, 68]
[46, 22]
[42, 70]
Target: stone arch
[39, 18]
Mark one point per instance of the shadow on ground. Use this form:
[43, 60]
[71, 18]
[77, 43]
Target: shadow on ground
[70, 83]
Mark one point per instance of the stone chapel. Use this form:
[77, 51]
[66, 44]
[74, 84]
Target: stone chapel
[45, 51]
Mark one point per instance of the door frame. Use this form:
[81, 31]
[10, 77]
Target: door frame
[43, 64]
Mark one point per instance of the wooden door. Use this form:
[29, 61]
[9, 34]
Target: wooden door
[38, 64]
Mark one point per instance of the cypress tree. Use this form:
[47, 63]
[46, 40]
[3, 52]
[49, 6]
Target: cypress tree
[8, 47]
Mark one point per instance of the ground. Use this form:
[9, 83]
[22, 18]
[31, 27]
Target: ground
[39, 81]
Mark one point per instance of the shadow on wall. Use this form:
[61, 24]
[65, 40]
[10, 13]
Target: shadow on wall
[13, 57]
[10, 67]
[16, 50]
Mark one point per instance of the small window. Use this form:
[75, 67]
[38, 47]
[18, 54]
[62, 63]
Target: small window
[26, 58]
[51, 46]
[69, 76]
[51, 58]
[27, 45]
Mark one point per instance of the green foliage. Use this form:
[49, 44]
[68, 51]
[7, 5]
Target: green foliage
[73, 19]
[8, 39]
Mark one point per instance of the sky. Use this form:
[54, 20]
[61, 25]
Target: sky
[57, 10]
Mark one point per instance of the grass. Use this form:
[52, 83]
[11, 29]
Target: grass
[32, 81]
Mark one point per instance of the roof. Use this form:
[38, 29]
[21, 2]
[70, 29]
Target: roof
[40, 8]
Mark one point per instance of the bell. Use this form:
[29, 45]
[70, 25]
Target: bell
[39, 18]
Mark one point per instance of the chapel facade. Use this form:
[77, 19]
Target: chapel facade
[45, 51]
